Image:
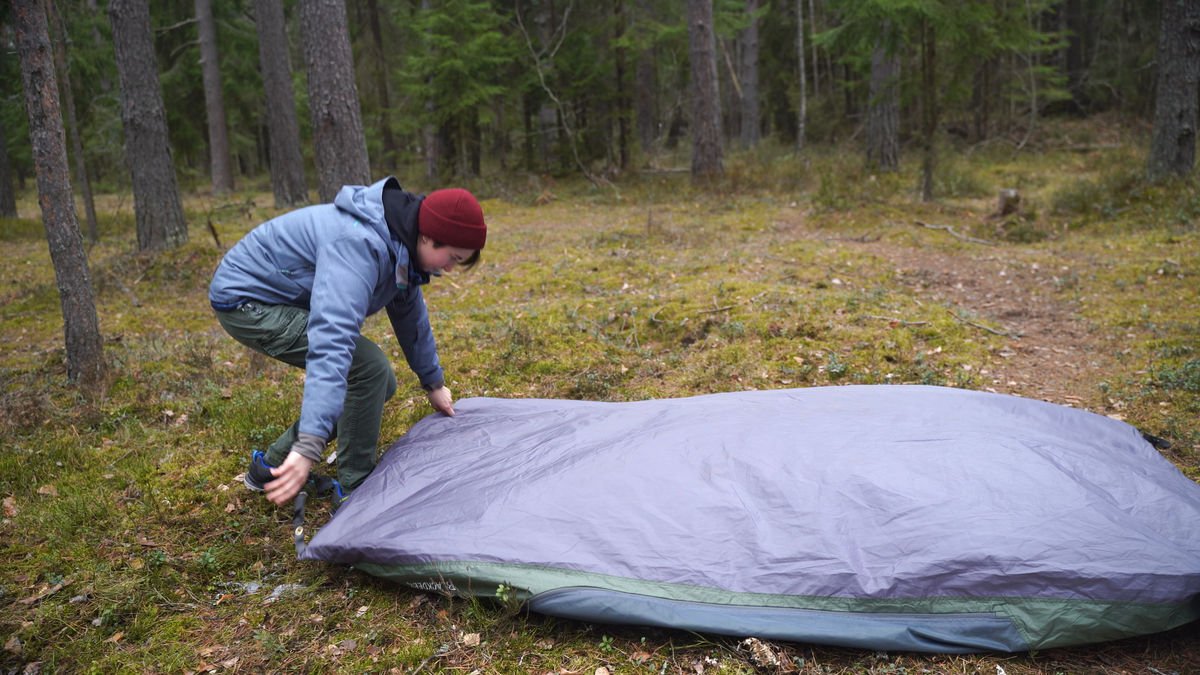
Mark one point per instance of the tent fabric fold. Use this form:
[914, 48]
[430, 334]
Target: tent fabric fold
[873, 516]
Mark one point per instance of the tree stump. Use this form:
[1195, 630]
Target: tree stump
[1009, 202]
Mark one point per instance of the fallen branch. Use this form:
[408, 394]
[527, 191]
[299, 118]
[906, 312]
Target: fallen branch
[950, 229]
[900, 322]
[132, 298]
[1007, 333]
[722, 309]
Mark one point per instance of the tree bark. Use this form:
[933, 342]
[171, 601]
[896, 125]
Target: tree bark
[81, 328]
[8, 196]
[64, 70]
[883, 120]
[803, 112]
[707, 150]
[214, 100]
[750, 115]
[1173, 145]
[286, 158]
[1075, 50]
[381, 83]
[647, 129]
[156, 200]
[339, 147]
[928, 105]
[433, 148]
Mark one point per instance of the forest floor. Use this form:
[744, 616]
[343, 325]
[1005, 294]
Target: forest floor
[128, 543]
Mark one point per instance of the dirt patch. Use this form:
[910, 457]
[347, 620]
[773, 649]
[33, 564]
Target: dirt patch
[1052, 353]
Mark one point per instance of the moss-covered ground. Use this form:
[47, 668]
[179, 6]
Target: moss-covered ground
[128, 544]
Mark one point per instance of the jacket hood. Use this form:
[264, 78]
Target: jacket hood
[366, 204]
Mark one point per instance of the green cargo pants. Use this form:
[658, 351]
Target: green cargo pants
[281, 332]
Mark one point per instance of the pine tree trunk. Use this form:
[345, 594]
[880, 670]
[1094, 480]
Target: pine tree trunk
[283, 130]
[381, 83]
[8, 196]
[750, 116]
[1173, 145]
[339, 147]
[647, 129]
[1075, 50]
[214, 100]
[433, 150]
[928, 106]
[812, 18]
[622, 90]
[81, 328]
[156, 200]
[803, 112]
[64, 76]
[883, 115]
[707, 151]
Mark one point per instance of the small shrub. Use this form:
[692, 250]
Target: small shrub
[1185, 377]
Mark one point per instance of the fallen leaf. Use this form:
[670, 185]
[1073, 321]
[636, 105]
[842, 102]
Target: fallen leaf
[471, 640]
[10, 507]
[48, 490]
[640, 657]
[348, 645]
[230, 508]
[602, 671]
[230, 663]
[141, 539]
[13, 645]
[137, 563]
[115, 638]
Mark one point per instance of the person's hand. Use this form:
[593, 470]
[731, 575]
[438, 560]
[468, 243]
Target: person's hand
[289, 478]
[442, 401]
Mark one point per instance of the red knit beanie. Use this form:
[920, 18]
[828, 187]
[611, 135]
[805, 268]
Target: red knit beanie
[453, 217]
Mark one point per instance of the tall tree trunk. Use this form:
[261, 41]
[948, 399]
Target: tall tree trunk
[156, 200]
[283, 130]
[339, 146]
[816, 63]
[928, 105]
[381, 83]
[432, 135]
[647, 130]
[214, 100]
[750, 116]
[622, 90]
[1075, 50]
[803, 111]
[81, 328]
[64, 70]
[707, 150]
[1173, 145]
[8, 196]
[883, 116]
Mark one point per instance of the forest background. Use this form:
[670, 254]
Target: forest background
[838, 223]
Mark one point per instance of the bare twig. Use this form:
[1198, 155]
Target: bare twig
[655, 314]
[901, 322]
[717, 309]
[950, 229]
[132, 298]
[537, 61]
[1007, 333]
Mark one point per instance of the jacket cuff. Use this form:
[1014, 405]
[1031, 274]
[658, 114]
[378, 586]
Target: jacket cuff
[435, 384]
[310, 446]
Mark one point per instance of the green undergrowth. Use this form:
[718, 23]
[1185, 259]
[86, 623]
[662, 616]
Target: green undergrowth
[128, 542]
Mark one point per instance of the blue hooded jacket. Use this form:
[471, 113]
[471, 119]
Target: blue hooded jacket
[342, 263]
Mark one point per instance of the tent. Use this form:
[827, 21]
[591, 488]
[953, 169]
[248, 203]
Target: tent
[879, 517]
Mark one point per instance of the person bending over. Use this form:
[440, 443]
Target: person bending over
[298, 288]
